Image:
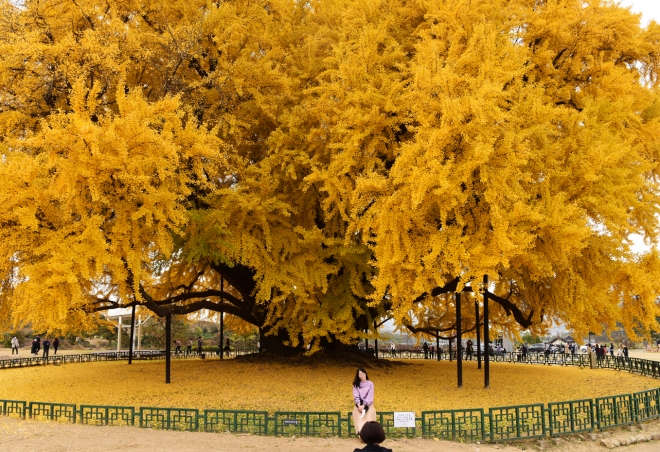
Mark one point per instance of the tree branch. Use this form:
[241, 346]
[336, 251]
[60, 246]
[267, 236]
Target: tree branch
[511, 308]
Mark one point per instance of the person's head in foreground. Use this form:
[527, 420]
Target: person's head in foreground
[372, 433]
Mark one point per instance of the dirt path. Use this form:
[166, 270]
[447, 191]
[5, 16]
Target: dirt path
[36, 436]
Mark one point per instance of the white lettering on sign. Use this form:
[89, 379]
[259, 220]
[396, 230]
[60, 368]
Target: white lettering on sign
[404, 419]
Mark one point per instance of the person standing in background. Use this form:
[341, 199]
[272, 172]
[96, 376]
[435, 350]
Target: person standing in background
[46, 347]
[14, 345]
[56, 345]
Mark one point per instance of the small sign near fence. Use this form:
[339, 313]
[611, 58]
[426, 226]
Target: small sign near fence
[404, 419]
[290, 421]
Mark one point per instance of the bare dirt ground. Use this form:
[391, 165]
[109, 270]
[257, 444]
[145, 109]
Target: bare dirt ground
[18, 435]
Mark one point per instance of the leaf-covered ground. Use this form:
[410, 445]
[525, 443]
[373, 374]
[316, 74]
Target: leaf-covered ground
[414, 386]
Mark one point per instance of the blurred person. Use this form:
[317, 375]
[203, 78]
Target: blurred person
[46, 347]
[14, 345]
[363, 398]
[36, 346]
[56, 345]
[372, 434]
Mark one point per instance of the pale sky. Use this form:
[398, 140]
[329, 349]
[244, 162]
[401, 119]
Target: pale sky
[650, 9]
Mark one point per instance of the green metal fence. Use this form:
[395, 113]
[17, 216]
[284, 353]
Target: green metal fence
[455, 425]
[107, 415]
[307, 423]
[565, 418]
[186, 419]
[614, 411]
[218, 421]
[496, 424]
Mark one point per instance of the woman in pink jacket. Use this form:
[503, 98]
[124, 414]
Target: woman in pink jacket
[363, 397]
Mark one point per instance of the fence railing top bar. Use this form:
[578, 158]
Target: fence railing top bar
[646, 390]
[53, 403]
[459, 410]
[212, 410]
[167, 408]
[571, 401]
[613, 396]
[123, 407]
[529, 405]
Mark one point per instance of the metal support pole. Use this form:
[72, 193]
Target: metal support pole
[222, 335]
[476, 310]
[459, 351]
[486, 339]
[375, 340]
[139, 338]
[118, 335]
[450, 354]
[168, 339]
[222, 321]
[130, 346]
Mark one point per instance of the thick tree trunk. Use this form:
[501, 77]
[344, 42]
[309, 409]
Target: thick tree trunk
[276, 343]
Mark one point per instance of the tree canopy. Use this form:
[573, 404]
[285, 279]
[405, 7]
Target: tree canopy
[314, 167]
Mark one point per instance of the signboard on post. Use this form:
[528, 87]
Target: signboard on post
[403, 419]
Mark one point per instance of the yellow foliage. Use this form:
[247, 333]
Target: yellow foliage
[329, 162]
[215, 384]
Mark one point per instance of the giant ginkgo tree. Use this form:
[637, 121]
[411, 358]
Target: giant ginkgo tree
[311, 167]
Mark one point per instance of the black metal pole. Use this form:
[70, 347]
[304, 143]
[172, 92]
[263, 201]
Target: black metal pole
[222, 321]
[375, 340]
[486, 339]
[459, 345]
[476, 310]
[450, 355]
[130, 346]
[168, 339]
[437, 346]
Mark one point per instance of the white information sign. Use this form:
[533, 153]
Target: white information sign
[404, 419]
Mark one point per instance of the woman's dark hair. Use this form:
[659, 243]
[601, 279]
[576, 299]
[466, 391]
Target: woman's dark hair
[357, 380]
[372, 433]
